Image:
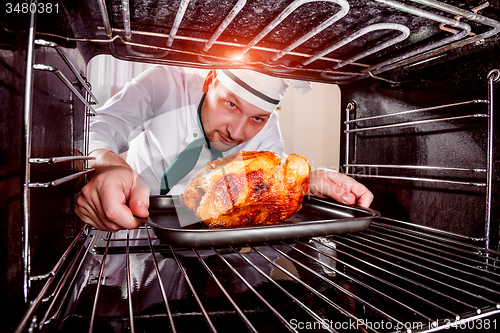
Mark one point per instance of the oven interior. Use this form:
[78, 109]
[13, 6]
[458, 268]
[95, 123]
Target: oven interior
[419, 84]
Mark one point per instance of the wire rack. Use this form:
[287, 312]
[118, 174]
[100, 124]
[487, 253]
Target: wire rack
[392, 277]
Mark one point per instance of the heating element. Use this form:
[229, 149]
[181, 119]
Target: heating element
[392, 277]
[320, 40]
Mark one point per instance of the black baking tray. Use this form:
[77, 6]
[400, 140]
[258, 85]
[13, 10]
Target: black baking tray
[318, 217]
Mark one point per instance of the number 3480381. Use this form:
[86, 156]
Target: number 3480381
[33, 7]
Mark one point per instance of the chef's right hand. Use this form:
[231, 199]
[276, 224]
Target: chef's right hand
[112, 197]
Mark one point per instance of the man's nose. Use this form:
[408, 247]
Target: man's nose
[237, 128]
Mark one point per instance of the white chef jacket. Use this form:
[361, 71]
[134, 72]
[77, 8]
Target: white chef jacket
[154, 118]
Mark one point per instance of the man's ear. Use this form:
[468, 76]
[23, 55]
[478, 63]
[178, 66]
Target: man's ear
[209, 80]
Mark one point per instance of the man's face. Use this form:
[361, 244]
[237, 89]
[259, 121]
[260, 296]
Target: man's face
[229, 120]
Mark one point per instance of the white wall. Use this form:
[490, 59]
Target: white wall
[108, 75]
[310, 124]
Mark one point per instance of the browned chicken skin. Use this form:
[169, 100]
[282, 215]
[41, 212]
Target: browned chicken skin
[248, 188]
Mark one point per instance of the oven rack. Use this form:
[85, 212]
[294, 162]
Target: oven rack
[30, 160]
[386, 278]
[64, 57]
[292, 59]
[87, 101]
[353, 129]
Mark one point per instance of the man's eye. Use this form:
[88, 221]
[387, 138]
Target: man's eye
[258, 119]
[231, 104]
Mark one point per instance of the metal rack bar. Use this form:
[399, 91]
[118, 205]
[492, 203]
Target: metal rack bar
[351, 107]
[28, 104]
[129, 286]
[405, 32]
[68, 84]
[259, 296]
[64, 57]
[295, 300]
[177, 22]
[128, 33]
[377, 278]
[86, 134]
[426, 53]
[436, 237]
[328, 22]
[161, 284]
[417, 122]
[432, 108]
[59, 181]
[228, 19]
[416, 167]
[491, 237]
[386, 269]
[385, 315]
[67, 279]
[416, 55]
[283, 15]
[353, 279]
[99, 283]
[431, 325]
[247, 322]
[312, 290]
[450, 252]
[191, 287]
[399, 258]
[412, 55]
[50, 160]
[418, 179]
[415, 273]
[48, 285]
[413, 249]
[222, 43]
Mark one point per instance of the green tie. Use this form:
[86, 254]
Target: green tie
[187, 159]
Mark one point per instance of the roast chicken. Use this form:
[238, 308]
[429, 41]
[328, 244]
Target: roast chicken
[248, 188]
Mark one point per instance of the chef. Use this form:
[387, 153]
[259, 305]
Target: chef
[170, 123]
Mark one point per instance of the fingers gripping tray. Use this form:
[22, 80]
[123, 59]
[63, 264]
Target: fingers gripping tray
[176, 225]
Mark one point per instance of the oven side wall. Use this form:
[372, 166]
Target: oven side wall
[11, 179]
[57, 129]
[456, 143]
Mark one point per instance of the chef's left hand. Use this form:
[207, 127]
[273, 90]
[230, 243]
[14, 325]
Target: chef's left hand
[329, 183]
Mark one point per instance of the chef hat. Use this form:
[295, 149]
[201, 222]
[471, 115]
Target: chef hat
[263, 91]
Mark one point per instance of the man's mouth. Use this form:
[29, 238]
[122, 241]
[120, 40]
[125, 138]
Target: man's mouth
[224, 140]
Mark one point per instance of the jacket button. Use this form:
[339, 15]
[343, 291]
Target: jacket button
[195, 135]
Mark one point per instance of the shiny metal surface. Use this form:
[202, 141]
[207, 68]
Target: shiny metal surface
[313, 34]
[62, 54]
[49, 160]
[491, 234]
[428, 52]
[416, 122]
[28, 101]
[177, 225]
[59, 181]
[67, 83]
